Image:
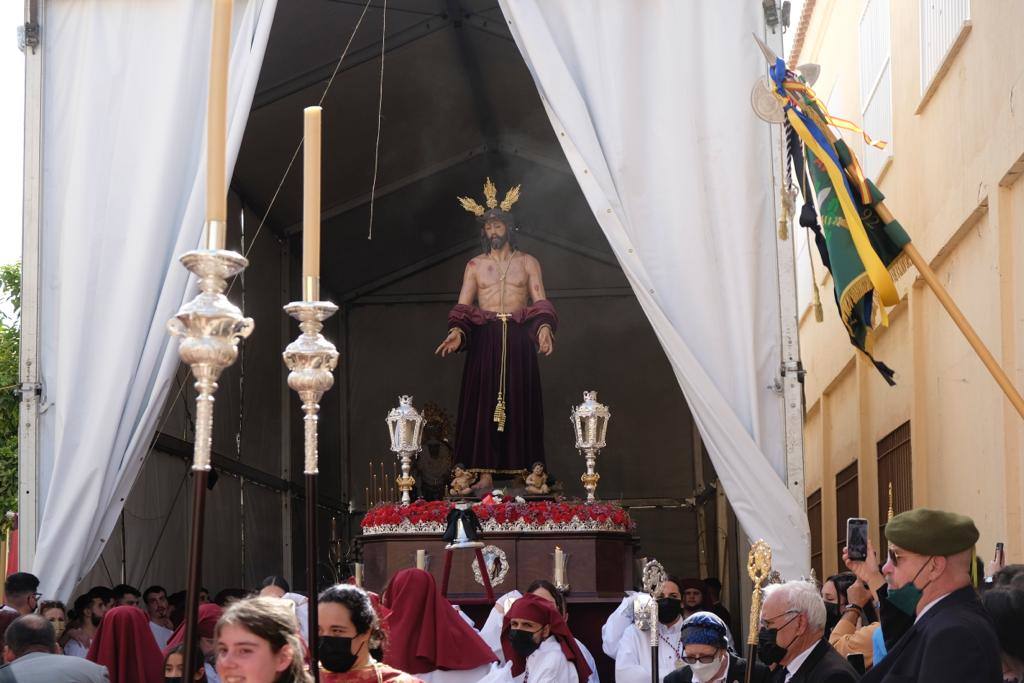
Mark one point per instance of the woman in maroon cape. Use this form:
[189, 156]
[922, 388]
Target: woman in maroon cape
[124, 644]
[426, 634]
[349, 630]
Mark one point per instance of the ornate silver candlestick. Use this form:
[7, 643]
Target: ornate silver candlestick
[590, 422]
[405, 425]
[311, 360]
[210, 328]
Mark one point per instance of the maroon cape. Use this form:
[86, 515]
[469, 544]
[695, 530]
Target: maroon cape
[425, 632]
[206, 622]
[478, 443]
[124, 644]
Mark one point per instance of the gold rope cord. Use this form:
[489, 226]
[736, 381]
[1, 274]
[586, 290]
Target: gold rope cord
[499, 407]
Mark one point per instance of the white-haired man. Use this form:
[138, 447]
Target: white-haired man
[792, 627]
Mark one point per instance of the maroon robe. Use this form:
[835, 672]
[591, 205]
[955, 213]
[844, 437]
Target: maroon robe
[478, 443]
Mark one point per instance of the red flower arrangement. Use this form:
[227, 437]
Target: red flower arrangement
[536, 513]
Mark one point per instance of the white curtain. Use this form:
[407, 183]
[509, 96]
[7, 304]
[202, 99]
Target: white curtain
[123, 195]
[650, 101]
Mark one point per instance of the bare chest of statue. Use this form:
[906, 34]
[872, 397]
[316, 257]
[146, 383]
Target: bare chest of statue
[502, 287]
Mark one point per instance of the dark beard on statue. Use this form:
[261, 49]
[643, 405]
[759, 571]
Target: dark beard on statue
[497, 243]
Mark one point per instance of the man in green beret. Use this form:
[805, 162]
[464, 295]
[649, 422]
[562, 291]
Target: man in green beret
[928, 573]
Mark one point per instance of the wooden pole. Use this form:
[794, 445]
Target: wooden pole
[952, 309]
[311, 566]
[195, 563]
[928, 275]
[997, 372]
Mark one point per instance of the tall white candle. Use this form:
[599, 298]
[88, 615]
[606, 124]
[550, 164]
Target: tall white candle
[311, 204]
[216, 126]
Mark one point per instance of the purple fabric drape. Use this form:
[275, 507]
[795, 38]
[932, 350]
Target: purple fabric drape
[478, 443]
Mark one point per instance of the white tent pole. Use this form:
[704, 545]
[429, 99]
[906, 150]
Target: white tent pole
[791, 368]
[28, 428]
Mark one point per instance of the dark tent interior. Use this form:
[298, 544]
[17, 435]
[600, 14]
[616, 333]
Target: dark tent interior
[456, 104]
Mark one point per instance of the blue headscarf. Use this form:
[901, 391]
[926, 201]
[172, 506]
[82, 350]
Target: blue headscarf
[704, 628]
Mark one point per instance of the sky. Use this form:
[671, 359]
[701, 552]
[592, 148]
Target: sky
[12, 85]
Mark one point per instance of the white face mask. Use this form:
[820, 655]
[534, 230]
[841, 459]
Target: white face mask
[705, 672]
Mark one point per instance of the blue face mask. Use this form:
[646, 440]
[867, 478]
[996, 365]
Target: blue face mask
[906, 597]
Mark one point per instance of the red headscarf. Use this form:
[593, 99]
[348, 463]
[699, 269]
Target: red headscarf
[536, 608]
[206, 621]
[425, 633]
[124, 644]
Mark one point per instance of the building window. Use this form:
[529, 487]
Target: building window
[814, 521]
[894, 467]
[847, 505]
[943, 25]
[876, 84]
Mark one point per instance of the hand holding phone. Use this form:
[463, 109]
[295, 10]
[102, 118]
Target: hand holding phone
[857, 538]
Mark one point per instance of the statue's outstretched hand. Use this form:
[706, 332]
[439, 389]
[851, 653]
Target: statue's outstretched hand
[450, 344]
[545, 341]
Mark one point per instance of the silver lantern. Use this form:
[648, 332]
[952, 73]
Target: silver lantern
[590, 422]
[406, 427]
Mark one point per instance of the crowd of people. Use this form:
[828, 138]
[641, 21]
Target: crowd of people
[922, 615]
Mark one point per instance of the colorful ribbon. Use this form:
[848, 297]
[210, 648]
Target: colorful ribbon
[817, 141]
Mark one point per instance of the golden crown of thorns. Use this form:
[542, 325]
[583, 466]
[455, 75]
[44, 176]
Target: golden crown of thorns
[491, 199]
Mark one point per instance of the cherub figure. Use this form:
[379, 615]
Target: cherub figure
[537, 481]
[462, 481]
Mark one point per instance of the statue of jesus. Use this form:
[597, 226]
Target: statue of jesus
[502, 320]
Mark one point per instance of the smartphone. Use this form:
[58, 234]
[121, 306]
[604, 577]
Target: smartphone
[857, 538]
[857, 662]
[1000, 557]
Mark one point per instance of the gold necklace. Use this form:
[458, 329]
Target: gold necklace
[508, 264]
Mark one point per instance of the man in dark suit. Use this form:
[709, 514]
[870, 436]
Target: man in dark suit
[929, 576]
[791, 636]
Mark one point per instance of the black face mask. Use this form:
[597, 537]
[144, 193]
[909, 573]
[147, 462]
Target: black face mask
[172, 679]
[832, 617]
[335, 653]
[522, 642]
[768, 649]
[668, 610]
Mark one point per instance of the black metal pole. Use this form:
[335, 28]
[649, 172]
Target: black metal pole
[655, 676]
[195, 563]
[311, 565]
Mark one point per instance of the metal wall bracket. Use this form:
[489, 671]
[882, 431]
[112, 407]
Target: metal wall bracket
[795, 367]
[28, 36]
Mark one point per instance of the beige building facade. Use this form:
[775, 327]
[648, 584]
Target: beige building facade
[943, 82]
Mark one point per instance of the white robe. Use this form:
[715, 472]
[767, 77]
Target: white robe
[546, 665]
[161, 634]
[301, 603]
[469, 676]
[491, 633]
[616, 625]
[633, 658]
[73, 648]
